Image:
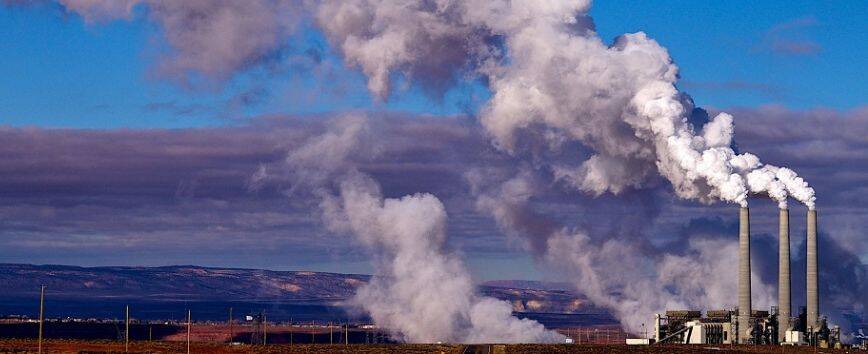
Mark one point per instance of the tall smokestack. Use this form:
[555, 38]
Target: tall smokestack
[813, 298]
[744, 307]
[784, 275]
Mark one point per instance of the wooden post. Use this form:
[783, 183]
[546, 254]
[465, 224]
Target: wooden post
[290, 332]
[127, 330]
[41, 314]
[331, 334]
[264, 329]
[189, 325]
[150, 332]
[347, 333]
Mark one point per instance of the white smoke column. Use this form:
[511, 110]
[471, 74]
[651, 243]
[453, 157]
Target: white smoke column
[560, 82]
[623, 274]
[617, 275]
[424, 40]
[594, 93]
[797, 187]
[765, 179]
[420, 292]
[559, 79]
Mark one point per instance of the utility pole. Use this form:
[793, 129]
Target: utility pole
[41, 314]
[127, 331]
[231, 329]
[189, 324]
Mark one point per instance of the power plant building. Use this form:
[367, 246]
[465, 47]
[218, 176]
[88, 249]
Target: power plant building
[744, 325]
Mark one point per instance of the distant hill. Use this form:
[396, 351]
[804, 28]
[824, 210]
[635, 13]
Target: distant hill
[193, 283]
[178, 282]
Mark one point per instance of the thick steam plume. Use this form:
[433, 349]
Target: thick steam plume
[420, 292]
[554, 81]
[624, 273]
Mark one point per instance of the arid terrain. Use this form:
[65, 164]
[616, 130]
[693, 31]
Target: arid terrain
[61, 346]
[166, 293]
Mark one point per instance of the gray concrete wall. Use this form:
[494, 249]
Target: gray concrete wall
[784, 296]
[744, 305]
[812, 293]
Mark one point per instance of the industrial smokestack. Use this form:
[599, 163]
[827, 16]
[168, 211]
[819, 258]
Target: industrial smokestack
[744, 307]
[784, 275]
[813, 296]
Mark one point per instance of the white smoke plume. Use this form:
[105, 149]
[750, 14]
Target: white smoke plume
[622, 273]
[420, 292]
[552, 79]
[619, 275]
[555, 82]
[551, 75]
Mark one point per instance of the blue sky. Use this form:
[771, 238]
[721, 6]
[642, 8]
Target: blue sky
[746, 42]
[57, 71]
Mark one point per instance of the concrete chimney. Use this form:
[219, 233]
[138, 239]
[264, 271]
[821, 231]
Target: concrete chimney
[812, 294]
[744, 307]
[784, 275]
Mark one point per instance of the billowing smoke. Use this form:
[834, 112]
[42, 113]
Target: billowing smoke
[634, 284]
[553, 79]
[622, 272]
[420, 292]
[421, 38]
[214, 39]
[554, 82]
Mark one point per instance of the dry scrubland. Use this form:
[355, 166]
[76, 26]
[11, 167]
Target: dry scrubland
[66, 346]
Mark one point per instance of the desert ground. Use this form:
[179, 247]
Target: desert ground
[78, 346]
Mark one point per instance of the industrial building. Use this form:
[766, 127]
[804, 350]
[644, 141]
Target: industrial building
[745, 325]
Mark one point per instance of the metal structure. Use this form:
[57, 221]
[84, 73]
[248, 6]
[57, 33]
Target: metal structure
[41, 315]
[189, 326]
[127, 330]
[231, 327]
[862, 339]
[743, 325]
[717, 327]
[259, 335]
[689, 327]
